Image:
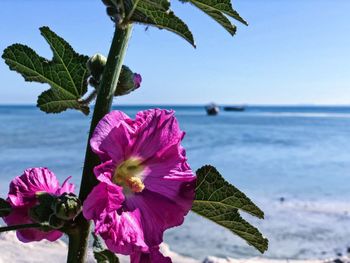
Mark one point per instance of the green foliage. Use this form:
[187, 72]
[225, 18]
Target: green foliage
[102, 254]
[222, 6]
[163, 4]
[66, 73]
[157, 13]
[217, 16]
[216, 9]
[220, 201]
[5, 208]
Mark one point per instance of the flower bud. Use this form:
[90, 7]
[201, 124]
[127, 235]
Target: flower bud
[40, 213]
[128, 82]
[45, 198]
[56, 222]
[96, 65]
[67, 206]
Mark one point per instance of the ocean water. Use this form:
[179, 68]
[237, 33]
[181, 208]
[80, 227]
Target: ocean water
[299, 153]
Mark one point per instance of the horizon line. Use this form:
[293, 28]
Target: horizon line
[204, 104]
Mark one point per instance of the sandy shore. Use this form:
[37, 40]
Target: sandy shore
[55, 252]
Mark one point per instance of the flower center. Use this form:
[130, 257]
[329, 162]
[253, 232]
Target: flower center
[128, 175]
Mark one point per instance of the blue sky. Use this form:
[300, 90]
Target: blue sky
[293, 52]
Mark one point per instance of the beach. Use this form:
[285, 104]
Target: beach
[56, 252]
[293, 162]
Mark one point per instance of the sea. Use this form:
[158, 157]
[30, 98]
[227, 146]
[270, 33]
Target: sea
[292, 161]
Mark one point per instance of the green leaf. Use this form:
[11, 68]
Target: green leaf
[51, 101]
[101, 254]
[220, 201]
[218, 17]
[161, 4]
[5, 208]
[156, 13]
[66, 73]
[222, 6]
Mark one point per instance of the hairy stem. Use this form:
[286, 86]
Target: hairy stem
[73, 247]
[102, 107]
[75, 253]
[18, 227]
[103, 103]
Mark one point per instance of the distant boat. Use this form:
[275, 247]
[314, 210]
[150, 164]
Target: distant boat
[234, 108]
[212, 109]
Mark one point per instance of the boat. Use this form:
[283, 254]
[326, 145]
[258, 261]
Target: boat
[234, 108]
[212, 109]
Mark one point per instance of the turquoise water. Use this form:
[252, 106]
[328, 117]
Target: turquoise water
[299, 153]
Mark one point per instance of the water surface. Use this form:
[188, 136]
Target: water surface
[299, 153]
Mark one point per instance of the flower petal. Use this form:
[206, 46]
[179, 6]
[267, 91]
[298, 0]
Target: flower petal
[105, 197]
[112, 136]
[20, 216]
[153, 256]
[23, 188]
[122, 233]
[66, 187]
[178, 189]
[157, 131]
[158, 214]
[171, 176]
[104, 171]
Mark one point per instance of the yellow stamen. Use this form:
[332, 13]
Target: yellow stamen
[129, 175]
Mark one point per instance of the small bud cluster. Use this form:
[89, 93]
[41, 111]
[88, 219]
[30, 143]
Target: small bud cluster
[56, 210]
[66, 207]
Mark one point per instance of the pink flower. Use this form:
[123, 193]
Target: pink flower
[23, 196]
[145, 184]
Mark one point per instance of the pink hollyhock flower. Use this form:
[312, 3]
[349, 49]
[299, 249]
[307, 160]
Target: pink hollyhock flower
[145, 184]
[23, 196]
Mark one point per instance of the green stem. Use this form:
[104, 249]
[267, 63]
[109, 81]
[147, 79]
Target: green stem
[104, 102]
[76, 241]
[102, 107]
[73, 247]
[18, 227]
